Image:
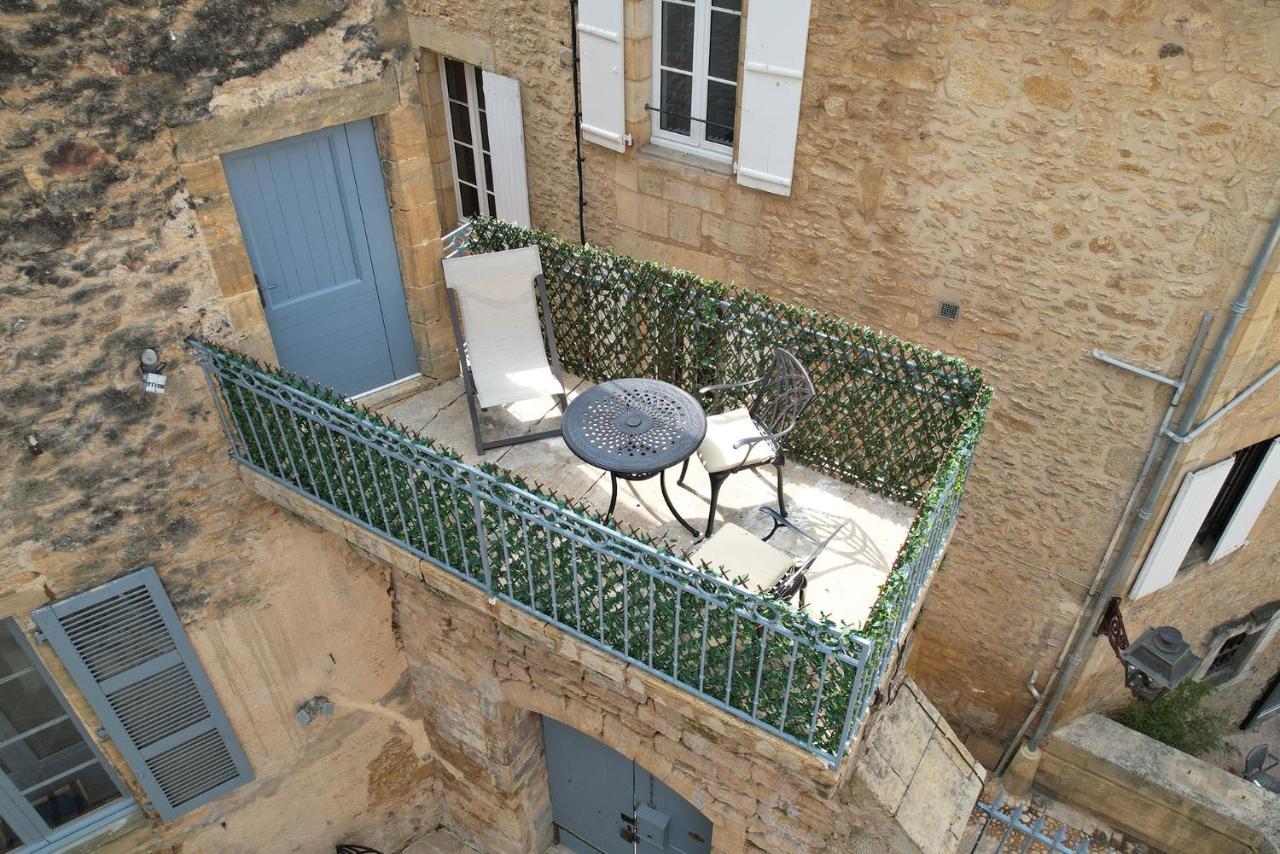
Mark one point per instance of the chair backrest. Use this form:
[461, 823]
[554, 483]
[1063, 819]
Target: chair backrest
[1255, 759]
[785, 391]
[498, 302]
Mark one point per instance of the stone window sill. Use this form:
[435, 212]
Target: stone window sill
[653, 151]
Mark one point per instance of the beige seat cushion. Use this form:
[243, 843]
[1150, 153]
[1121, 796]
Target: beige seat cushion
[499, 308]
[717, 451]
[742, 553]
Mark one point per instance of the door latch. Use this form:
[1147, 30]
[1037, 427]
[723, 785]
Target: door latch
[628, 829]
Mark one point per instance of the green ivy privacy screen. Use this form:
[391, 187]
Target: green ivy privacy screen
[889, 416]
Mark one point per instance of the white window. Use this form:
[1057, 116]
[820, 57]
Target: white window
[468, 123]
[695, 80]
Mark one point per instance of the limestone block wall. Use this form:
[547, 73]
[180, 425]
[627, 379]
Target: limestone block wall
[109, 245]
[1073, 173]
[1158, 794]
[484, 672]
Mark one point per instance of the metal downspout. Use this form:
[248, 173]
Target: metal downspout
[1115, 574]
[1041, 697]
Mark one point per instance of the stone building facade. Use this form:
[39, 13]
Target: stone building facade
[1072, 173]
[1073, 176]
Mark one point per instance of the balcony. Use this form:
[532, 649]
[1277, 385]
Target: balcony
[884, 450]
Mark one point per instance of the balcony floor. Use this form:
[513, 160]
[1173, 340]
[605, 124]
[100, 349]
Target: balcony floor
[843, 584]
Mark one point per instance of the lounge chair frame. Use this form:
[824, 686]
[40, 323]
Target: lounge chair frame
[483, 445]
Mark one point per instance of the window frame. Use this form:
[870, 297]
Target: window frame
[18, 813]
[479, 131]
[1259, 631]
[695, 142]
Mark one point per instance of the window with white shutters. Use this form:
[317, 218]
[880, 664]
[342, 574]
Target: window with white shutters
[602, 86]
[1190, 506]
[772, 79]
[1246, 491]
[469, 140]
[695, 76]
[486, 142]
[125, 647]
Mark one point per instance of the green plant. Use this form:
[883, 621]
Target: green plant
[1178, 718]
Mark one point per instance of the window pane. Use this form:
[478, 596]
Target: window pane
[484, 132]
[464, 157]
[720, 104]
[73, 795]
[735, 5]
[722, 61]
[479, 77]
[12, 658]
[488, 171]
[493, 204]
[677, 100]
[461, 119]
[470, 200]
[455, 75]
[44, 755]
[677, 36]
[26, 702]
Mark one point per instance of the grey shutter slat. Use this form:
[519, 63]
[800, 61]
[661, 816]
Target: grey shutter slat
[125, 647]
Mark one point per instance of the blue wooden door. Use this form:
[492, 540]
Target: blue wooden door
[604, 803]
[314, 214]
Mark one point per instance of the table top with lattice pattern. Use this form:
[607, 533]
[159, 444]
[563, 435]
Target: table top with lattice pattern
[634, 426]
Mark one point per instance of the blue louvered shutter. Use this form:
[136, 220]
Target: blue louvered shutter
[127, 652]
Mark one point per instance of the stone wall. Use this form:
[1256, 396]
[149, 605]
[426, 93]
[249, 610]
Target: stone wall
[1159, 795]
[1073, 173]
[485, 672]
[101, 256]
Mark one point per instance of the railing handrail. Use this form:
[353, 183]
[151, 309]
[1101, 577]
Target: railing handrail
[683, 567]
[842, 668]
[784, 628]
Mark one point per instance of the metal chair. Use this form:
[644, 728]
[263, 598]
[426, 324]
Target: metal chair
[1259, 763]
[752, 436]
[768, 569]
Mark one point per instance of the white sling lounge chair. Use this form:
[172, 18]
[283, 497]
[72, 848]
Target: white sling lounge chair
[503, 358]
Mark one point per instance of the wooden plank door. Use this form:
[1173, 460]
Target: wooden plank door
[314, 215]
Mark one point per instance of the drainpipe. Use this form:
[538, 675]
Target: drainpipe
[1014, 784]
[577, 123]
[1115, 574]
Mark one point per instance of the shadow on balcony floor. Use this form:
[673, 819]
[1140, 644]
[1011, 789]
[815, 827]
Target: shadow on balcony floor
[843, 584]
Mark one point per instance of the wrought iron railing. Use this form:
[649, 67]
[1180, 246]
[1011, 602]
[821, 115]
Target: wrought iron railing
[1011, 829]
[800, 677]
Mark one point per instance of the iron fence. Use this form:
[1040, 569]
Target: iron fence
[1015, 831]
[797, 676]
[802, 679]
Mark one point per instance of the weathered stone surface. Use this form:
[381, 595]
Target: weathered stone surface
[1160, 795]
[973, 80]
[1049, 91]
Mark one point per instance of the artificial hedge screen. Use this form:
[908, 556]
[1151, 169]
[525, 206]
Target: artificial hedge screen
[889, 416]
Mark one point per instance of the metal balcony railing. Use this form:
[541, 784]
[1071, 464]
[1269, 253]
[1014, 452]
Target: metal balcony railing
[802, 679]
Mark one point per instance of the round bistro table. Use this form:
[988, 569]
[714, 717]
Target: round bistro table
[635, 429]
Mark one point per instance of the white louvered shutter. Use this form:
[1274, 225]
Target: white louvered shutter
[1181, 524]
[604, 120]
[127, 652]
[506, 147]
[772, 77]
[1255, 497]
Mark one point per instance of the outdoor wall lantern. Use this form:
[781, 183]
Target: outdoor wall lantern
[1157, 661]
[152, 370]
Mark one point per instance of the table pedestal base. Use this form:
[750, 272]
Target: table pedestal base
[662, 481]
